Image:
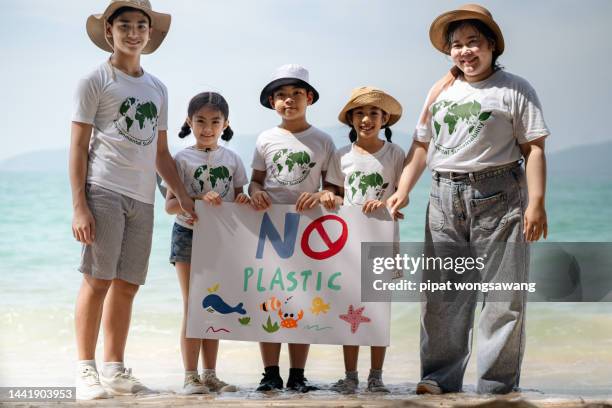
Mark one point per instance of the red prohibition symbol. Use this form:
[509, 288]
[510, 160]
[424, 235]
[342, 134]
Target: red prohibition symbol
[333, 247]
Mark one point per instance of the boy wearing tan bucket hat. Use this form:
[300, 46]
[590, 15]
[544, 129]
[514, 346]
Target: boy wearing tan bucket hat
[478, 125]
[118, 142]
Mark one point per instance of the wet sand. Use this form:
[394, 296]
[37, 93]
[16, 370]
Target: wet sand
[249, 398]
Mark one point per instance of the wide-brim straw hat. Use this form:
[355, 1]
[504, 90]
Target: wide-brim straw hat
[368, 95]
[439, 27]
[160, 24]
[289, 74]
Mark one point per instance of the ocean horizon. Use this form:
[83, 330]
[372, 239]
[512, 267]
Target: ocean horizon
[569, 345]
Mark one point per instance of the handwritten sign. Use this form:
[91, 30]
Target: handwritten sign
[283, 276]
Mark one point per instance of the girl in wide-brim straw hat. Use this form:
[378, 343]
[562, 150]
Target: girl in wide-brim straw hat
[118, 142]
[377, 164]
[478, 124]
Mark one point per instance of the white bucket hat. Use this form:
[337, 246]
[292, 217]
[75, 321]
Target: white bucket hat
[290, 74]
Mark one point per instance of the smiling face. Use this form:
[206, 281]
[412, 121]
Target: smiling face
[129, 32]
[290, 102]
[472, 53]
[367, 121]
[207, 125]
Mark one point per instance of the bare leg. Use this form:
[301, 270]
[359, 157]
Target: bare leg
[377, 357]
[116, 316]
[190, 348]
[210, 347]
[298, 353]
[351, 354]
[88, 315]
[270, 353]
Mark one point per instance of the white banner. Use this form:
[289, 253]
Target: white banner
[281, 276]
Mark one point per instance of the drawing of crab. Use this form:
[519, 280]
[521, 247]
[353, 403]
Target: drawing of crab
[287, 320]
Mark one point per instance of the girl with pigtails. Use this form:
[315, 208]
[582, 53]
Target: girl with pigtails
[366, 173]
[214, 174]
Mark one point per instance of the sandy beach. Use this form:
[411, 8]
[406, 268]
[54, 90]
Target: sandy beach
[327, 399]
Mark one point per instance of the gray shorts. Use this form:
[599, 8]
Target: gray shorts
[124, 230]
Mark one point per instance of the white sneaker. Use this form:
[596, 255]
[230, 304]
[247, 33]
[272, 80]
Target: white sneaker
[193, 385]
[88, 385]
[124, 383]
[216, 385]
[345, 386]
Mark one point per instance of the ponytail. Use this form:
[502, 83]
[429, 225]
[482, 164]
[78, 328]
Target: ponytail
[185, 130]
[227, 134]
[353, 135]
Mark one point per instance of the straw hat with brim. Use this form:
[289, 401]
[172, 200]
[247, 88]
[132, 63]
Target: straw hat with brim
[439, 27]
[160, 24]
[370, 96]
[290, 74]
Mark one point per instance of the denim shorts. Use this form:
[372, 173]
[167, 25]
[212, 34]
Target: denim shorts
[180, 246]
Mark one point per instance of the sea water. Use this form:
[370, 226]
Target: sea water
[568, 351]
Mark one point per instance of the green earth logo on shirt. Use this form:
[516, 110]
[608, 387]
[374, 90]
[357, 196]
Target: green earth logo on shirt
[290, 168]
[219, 179]
[365, 186]
[137, 121]
[454, 116]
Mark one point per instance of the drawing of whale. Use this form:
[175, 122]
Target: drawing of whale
[215, 302]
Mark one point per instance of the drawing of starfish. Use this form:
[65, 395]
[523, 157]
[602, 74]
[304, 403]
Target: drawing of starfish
[354, 317]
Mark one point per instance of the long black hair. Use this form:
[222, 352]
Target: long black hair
[214, 100]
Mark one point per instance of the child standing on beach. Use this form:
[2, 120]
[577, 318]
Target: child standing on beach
[214, 174]
[366, 173]
[273, 182]
[112, 175]
[478, 124]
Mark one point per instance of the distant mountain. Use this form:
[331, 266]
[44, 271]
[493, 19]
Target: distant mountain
[592, 161]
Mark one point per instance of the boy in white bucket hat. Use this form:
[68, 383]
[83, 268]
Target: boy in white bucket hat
[289, 93]
[118, 141]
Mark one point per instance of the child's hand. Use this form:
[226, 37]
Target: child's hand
[307, 200]
[84, 226]
[329, 200]
[242, 199]
[188, 206]
[212, 197]
[260, 200]
[398, 216]
[535, 223]
[372, 205]
[396, 202]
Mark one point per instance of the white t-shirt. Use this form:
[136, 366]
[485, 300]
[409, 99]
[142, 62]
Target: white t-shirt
[478, 125]
[126, 114]
[219, 170]
[293, 162]
[366, 176]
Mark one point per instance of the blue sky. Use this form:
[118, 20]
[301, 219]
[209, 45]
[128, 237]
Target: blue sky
[233, 46]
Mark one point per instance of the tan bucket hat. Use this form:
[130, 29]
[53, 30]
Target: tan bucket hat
[437, 31]
[160, 23]
[368, 95]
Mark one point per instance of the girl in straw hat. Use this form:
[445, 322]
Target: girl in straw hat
[478, 124]
[118, 142]
[366, 173]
